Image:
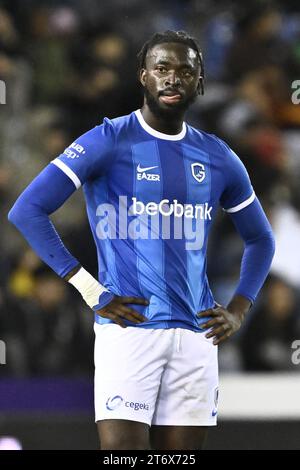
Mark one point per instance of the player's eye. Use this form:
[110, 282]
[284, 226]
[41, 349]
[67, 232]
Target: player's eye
[187, 73]
[161, 68]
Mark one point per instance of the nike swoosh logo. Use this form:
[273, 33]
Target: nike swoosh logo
[141, 170]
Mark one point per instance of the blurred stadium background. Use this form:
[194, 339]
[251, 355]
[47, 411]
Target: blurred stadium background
[67, 64]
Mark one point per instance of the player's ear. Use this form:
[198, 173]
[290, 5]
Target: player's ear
[143, 74]
[200, 86]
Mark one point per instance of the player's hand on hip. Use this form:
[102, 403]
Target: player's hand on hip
[117, 310]
[222, 325]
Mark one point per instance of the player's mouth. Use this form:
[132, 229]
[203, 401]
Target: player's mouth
[170, 97]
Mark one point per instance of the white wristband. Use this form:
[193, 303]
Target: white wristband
[88, 286]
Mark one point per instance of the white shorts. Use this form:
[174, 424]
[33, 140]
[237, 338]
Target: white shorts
[155, 376]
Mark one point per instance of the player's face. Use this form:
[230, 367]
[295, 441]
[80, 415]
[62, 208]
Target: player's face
[171, 78]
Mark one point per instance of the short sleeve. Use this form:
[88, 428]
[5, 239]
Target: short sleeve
[238, 192]
[90, 155]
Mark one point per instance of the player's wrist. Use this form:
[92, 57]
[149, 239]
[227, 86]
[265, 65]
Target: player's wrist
[93, 293]
[104, 299]
[239, 305]
[72, 272]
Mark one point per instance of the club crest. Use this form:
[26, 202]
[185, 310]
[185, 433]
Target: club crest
[198, 171]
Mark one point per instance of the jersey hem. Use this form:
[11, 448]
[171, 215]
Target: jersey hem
[156, 325]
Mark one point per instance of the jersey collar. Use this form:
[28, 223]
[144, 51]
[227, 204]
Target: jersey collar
[159, 135]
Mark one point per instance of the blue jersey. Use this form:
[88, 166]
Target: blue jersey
[151, 199]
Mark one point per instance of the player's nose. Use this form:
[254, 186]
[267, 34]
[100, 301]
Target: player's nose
[172, 79]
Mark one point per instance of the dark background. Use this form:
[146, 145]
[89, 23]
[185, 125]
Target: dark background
[67, 64]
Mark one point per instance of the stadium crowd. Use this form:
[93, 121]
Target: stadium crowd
[67, 64]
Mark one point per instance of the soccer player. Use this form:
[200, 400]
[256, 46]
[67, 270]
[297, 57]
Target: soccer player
[152, 186]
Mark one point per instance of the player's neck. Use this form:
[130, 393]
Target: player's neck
[161, 124]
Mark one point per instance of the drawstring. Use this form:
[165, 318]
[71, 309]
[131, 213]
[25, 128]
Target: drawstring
[178, 340]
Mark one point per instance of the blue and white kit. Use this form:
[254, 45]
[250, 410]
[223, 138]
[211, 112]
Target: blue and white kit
[133, 177]
[151, 199]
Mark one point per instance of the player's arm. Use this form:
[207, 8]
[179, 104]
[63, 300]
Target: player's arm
[30, 214]
[239, 201]
[259, 246]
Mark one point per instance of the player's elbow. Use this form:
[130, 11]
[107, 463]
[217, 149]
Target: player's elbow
[269, 239]
[272, 243]
[17, 213]
[266, 244]
[14, 215]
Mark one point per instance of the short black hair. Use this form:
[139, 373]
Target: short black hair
[171, 36]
